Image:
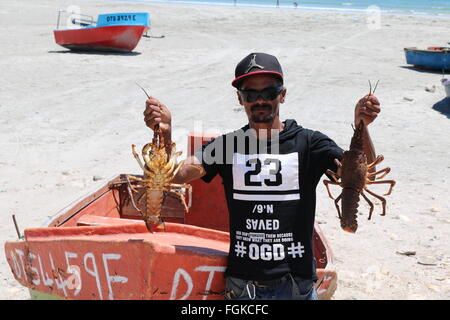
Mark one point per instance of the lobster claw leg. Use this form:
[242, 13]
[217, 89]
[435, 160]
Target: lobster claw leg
[328, 182]
[337, 206]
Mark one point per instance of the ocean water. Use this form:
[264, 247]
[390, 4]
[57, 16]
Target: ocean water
[412, 7]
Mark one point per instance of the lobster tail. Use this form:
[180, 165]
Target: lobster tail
[153, 205]
[350, 199]
[155, 226]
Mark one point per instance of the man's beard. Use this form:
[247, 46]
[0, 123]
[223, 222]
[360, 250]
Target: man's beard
[258, 118]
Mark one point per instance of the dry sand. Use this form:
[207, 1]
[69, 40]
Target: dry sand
[67, 117]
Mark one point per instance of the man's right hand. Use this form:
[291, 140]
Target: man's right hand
[157, 113]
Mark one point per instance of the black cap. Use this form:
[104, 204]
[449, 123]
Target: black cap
[257, 63]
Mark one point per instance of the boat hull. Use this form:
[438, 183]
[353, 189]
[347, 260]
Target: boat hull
[432, 59]
[121, 262]
[98, 247]
[119, 38]
[94, 250]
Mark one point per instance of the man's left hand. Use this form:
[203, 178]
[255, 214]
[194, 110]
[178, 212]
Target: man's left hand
[367, 109]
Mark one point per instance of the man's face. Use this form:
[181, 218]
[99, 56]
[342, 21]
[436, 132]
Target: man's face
[261, 111]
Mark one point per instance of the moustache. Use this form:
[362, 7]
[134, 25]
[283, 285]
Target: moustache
[261, 106]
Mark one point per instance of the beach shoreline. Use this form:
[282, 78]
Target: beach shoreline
[413, 12]
[67, 120]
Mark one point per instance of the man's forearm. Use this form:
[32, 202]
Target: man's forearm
[168, 141]
[190, 170]
[368, 147]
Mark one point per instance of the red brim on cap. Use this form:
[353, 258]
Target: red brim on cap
[238, 79]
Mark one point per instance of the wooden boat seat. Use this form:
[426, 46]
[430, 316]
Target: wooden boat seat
[92, 220]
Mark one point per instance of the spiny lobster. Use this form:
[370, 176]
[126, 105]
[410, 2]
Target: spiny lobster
[159, 170]
[355, 177]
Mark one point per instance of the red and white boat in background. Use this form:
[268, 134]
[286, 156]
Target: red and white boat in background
[116, 32]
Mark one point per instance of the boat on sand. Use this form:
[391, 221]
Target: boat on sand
[114, 32]
[437, 58]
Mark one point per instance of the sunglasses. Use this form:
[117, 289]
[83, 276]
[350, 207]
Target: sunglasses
[267, 94]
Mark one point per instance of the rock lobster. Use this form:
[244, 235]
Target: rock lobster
[355, 177]
[159, 169]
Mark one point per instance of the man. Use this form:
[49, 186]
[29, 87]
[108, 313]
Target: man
[270, 170]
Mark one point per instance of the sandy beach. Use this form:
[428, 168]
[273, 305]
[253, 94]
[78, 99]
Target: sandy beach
[67, 120]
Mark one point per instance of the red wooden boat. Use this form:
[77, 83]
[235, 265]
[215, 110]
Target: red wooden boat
[99, 248]
[117, 32]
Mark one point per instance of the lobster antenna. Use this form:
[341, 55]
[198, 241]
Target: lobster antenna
[156, 126]
[143, 90]
[376, 85]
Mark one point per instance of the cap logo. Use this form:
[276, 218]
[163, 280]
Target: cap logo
[253, 64]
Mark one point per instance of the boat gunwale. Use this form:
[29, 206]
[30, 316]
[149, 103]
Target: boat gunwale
[415, 49]
[99, 27]
[43, 233]
[79, 203]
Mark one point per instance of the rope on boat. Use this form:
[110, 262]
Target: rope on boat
[145, 35]
[17, 226]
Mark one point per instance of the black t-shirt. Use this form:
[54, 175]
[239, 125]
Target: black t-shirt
[270, 187]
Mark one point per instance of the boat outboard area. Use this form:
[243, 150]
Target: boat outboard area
[78, 20]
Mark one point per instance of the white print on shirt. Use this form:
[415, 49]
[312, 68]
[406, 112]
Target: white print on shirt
[263, 208]
[266, 177]
[268, 252]
[261, 224]
[262, 246]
